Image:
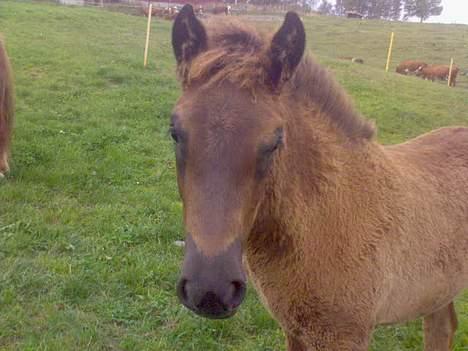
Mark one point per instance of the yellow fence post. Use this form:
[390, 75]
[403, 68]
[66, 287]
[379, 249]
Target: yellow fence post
[148, 28]
[389, 56]
[450, 72]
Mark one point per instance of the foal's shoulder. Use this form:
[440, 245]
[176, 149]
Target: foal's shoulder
[438, 138]
[443, 147]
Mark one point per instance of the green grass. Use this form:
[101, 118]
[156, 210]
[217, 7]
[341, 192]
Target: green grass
[90, 211]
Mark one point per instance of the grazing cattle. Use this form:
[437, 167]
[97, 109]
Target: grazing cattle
[154, 12]
[168, 13]
[410, 67]
[276, 169]
[224, 9]
[171, 14]
[439, 72]
[6, 108]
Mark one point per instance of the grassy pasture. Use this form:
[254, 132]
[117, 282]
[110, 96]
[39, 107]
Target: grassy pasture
[90, 211]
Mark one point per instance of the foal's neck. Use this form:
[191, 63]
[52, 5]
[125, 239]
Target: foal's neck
[317, 179]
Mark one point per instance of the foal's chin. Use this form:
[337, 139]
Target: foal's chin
[220, 314]
[226, 315]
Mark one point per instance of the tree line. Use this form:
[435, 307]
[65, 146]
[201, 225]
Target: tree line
[386, 9]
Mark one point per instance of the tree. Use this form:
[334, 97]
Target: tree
[325, 8]
[423, 9]
[395, 10]
[361, 6]
[308, 5]
[378, 8]
[340, 8]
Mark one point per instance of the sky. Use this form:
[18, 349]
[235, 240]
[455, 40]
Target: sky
[455, 11]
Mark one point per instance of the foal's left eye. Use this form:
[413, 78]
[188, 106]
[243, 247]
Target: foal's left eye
[270, 148]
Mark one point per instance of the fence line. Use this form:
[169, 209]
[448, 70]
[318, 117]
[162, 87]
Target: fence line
[449, 80]
[390, 48]
[142, 6]
[148, 30]
[103, 5]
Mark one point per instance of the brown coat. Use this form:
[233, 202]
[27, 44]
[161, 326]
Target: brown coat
[439, 72]
[410, 67]
[338, 232]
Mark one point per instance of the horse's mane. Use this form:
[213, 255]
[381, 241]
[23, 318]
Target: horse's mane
[238, 53]
[6, 98]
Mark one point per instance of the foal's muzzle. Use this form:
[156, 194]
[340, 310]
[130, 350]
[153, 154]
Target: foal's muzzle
[212, 287]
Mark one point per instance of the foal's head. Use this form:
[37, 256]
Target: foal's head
[228, 130]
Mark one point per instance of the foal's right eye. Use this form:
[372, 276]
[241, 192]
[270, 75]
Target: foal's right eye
[174, 134]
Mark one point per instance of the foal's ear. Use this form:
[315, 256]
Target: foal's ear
[188, 35]
[286, 50]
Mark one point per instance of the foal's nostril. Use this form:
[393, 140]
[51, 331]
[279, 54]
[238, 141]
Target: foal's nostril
[211, 304]
[238, 294]
[182, 291]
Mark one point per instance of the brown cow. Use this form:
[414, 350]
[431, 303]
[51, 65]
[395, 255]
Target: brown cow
[224, 9]
[410, 67]
[154, 12]
[440, 72]
[168, 13]
[6, 108]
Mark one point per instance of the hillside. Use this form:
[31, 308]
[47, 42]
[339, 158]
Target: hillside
[90, 211]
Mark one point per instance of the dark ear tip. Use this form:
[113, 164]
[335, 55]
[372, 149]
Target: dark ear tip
[292, 16]
[186, 11]
[292, 20]
[188, 35]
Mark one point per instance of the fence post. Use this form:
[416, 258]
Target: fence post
[389, 56]
[148, 29]
[450, 72]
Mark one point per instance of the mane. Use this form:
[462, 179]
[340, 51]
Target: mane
[237, 53]
[313, 83]
[6, 99]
